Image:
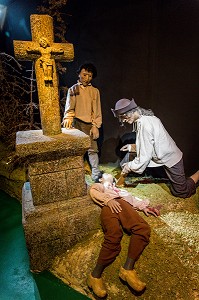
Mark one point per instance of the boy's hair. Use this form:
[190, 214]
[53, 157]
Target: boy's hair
[106, 177]
[88, 67]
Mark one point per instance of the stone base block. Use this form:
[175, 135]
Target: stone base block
[57, 180]
[53, 228]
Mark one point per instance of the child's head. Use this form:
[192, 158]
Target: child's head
[107, 180]
[89, 67]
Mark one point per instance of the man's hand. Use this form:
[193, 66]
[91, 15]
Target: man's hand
[94, 132]
[114, 206]
[67, 122]
[129, 148]
[125, 169]
[151, 211]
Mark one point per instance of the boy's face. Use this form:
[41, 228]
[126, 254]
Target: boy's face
[85, 77]
[107, 180]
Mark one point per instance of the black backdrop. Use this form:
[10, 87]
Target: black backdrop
[145, 49]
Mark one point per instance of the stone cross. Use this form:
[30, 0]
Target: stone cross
[44, 52]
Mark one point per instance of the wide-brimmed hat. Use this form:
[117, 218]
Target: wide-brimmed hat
[122, 106]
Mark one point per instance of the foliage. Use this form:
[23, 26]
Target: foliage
[54, 8]
[17, 105]
[18, 109]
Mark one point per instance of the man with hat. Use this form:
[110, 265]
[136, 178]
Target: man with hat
[154, 148]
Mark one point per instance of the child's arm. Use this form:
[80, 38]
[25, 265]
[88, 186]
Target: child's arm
[99, 196]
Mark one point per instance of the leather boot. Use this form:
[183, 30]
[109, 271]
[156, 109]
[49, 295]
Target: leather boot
[97, 285]
[132, 279]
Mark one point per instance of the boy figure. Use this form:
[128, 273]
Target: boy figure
[119, 209]
[154, 148]
[83, 111]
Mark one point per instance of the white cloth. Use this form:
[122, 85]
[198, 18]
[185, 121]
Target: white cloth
[154, 146]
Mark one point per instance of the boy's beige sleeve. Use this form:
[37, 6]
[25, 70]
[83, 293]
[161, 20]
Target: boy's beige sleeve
[97, 111]
[99, 196]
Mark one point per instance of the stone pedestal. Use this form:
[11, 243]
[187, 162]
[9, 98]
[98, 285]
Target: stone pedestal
[57, 212]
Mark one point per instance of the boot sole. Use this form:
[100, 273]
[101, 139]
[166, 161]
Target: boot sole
[91, 289]
[124, 280]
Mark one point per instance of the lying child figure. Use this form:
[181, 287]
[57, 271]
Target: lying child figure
[119, 211]
[110, 188]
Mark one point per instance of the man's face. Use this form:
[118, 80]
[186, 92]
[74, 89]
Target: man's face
[85, 77]
[128, 117]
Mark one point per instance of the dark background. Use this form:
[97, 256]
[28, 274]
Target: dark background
[146, 50]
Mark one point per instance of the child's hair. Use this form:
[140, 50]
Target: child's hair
[88, 67]
[107, 178]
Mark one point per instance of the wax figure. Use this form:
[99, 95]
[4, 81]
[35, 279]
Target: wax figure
[119, 211]
[154, 147]
[83, 111]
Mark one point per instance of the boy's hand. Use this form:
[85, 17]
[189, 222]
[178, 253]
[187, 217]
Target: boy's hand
[67, 122]
[151, 211]
[114, 206]
[94, 132]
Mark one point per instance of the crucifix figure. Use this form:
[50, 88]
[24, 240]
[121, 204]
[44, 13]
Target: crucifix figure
[44, 52]
[45, 60]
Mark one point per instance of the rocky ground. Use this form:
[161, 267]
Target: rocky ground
[170, 263]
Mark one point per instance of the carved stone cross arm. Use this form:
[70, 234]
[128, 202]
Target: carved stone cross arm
[25, 50]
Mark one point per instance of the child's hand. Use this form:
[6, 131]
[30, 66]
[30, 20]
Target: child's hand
[94, 132]
[67, 122]
[114, 206]
[151, 211]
